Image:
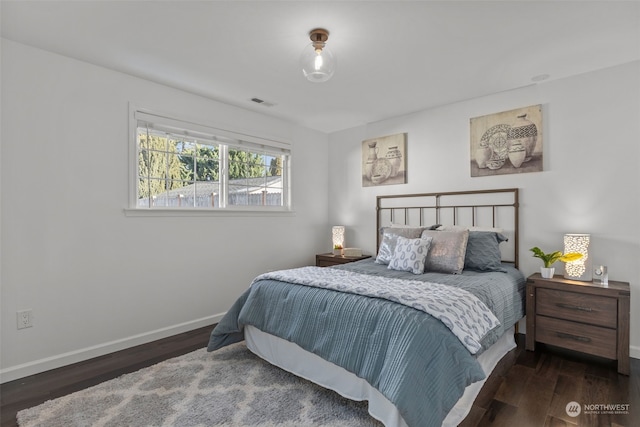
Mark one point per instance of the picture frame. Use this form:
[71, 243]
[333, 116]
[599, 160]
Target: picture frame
[507, 142]
[384, 160]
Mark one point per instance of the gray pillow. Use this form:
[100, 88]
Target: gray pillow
[447, 251]
[483, 251]
[390, 237]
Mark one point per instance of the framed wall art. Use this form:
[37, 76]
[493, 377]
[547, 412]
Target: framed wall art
[384, 160]
[507, 142]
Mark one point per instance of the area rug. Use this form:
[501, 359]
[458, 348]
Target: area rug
[229, 387]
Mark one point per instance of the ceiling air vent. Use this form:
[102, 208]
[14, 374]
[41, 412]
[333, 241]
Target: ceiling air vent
[262, 102]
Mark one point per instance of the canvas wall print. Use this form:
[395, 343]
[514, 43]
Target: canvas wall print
[384, 160]
[507, 142]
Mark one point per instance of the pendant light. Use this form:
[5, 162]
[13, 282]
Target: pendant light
[317, 61]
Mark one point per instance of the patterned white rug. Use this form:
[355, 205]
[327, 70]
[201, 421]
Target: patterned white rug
[229, 387]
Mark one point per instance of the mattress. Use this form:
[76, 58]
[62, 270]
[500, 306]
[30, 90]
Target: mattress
[292, 358]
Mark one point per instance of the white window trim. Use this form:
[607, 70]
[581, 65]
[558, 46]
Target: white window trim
[241, 139]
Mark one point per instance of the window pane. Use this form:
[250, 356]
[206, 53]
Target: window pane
[158, 165]
[274, 165]
[181, 168]
[237, 169]
[238, 195]
[150, 187]
[178, 194]
[245, 164]
[200, 161]
[263, 185]
[152, 164]
[207, 194]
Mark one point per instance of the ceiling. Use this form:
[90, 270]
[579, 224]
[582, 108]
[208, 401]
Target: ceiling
[394, 57]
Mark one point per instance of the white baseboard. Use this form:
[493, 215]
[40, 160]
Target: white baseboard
[20, 371]
[24, 370]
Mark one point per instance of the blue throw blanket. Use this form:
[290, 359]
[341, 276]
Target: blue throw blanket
[408, 355]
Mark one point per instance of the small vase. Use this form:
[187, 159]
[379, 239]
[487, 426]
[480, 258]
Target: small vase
[517, 154]
[337, 252]
[547, 272]
[372, 156]
[483, 154]
[525, 132]
[395, 158]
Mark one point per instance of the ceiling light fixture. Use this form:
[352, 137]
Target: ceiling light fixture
[317, 61]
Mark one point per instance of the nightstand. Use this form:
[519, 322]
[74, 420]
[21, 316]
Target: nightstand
[581, 316]
[329, 259]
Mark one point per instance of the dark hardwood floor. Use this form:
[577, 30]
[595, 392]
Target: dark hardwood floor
[36, 389]
[534, 388]
[526, 388]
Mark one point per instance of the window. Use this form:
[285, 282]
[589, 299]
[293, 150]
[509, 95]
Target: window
[181, 165]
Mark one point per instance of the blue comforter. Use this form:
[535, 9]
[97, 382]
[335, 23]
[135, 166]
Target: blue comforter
[408, 355]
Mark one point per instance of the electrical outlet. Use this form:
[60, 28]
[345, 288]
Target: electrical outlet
[25, 319]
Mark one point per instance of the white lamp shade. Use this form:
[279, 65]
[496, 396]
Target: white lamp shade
[337, 233]
[579, 269]
[317, 67]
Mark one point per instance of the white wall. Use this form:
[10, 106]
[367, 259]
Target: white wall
[97, 280]
[590, 182]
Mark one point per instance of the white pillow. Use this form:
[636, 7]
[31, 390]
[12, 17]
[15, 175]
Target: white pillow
[410, 254]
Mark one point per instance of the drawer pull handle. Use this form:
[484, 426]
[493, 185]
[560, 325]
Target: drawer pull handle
[574, 307]
[573, 337]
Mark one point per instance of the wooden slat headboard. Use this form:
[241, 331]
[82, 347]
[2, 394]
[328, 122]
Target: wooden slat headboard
[480, 208]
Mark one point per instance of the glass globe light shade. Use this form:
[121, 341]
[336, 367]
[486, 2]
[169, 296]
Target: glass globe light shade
[318, 65]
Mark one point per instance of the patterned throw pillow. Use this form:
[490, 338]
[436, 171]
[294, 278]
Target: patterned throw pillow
[410, 254]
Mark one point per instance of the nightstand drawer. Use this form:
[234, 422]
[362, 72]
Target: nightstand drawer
[576, 336]
[328, 262]
[592, 309]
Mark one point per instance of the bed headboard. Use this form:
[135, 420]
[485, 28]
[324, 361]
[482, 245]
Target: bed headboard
[480, 208]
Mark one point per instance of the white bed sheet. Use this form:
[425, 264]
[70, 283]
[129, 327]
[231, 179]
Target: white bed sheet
[294, 359]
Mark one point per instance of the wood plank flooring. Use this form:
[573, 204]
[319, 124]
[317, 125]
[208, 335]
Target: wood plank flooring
[36, 389]
[534, 388]
[526, 388]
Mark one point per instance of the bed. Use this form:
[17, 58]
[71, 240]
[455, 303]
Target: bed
[414, 330]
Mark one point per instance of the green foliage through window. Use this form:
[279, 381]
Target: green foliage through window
[173, 171]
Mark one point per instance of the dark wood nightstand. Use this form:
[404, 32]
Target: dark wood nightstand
[581, 316]
[329, 259]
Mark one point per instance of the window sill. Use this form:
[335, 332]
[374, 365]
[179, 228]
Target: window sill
[186, 212]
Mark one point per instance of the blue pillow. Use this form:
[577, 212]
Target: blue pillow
[483, 251]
